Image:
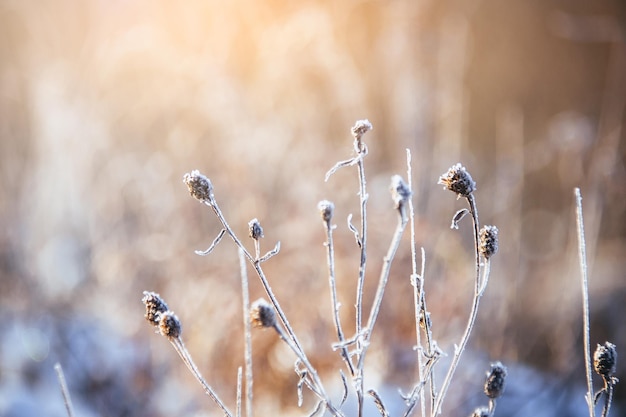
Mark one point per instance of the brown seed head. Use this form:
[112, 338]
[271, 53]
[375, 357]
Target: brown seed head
[155, 305]
[326, 209]
[262, 314]
[488, 241]
[496, 378]
[400, 191]
[199, 186]
[458, 180]
[255, 230]
[605, 360]
[360, 128]
[169, 325]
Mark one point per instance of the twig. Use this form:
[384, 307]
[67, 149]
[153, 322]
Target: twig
[247, 332]
[326, 209]
[239, 377]
[180, 348]
[458, 351]
[585, 292]
[64, 390]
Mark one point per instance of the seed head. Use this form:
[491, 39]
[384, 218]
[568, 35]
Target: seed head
[496, 377]
[488, 241]
[255, 230]
[400, 191]
[605, 360]
[262, 314]
[360, 128]
[199, 186]
[458, 180]
[169, 325]
[326, 208]
[155, 305]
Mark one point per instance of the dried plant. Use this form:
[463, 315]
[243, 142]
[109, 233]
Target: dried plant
[353, 347]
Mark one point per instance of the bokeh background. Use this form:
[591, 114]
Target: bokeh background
[104, 105]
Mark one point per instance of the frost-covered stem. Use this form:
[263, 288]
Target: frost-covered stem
[360, 283]
[585, 292]
[180, 348]
[290, 336]
[382, 283]
[478, 291]
[239, 377]
[609, 398]
[247, 333]
[64, 390]
[316, 386]
[330, 255]
[257, 266]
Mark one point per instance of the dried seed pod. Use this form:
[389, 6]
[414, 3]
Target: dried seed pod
[199, 186]
[262, 314]
[360, 128]
[169, 325]
[400, 191]
[605, 360]
[155, 305]
[255, 229]
[488, 241]
[496, 378]
[327, 209]
[458, 180]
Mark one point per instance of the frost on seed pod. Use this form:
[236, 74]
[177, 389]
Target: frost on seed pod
[255, 230]
[199, 186]
[488, 241]
[496, 378]
[326, 209]
[605, 360]
[458, 180]
[360, 128]
[155, 305]
[262, 314]
[169, 325]
[400, 191]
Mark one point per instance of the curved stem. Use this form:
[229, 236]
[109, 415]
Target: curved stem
[458, 351]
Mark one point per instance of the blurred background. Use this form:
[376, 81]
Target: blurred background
[104, 105]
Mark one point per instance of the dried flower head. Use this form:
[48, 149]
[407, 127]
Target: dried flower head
[326, 208]
[458, 180]
[255, 230]
[496, 378]
[400, 191]
[488, 241]
[481, 412]
[605, 360]
[169, 325]
[199, 186]
[262, 314]
[155, 305]
[360, 128]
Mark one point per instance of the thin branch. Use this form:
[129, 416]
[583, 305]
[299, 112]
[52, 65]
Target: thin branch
[180, 348]
[213, 244]
[64, 390]
[247, 332]
[330, 258]
[585, 292]
[239, 377]
[458, 351]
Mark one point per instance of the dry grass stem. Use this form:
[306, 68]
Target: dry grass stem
[64, 390]
[582, 256]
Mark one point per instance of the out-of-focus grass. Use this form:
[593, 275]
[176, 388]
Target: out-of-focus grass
[103, 107]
